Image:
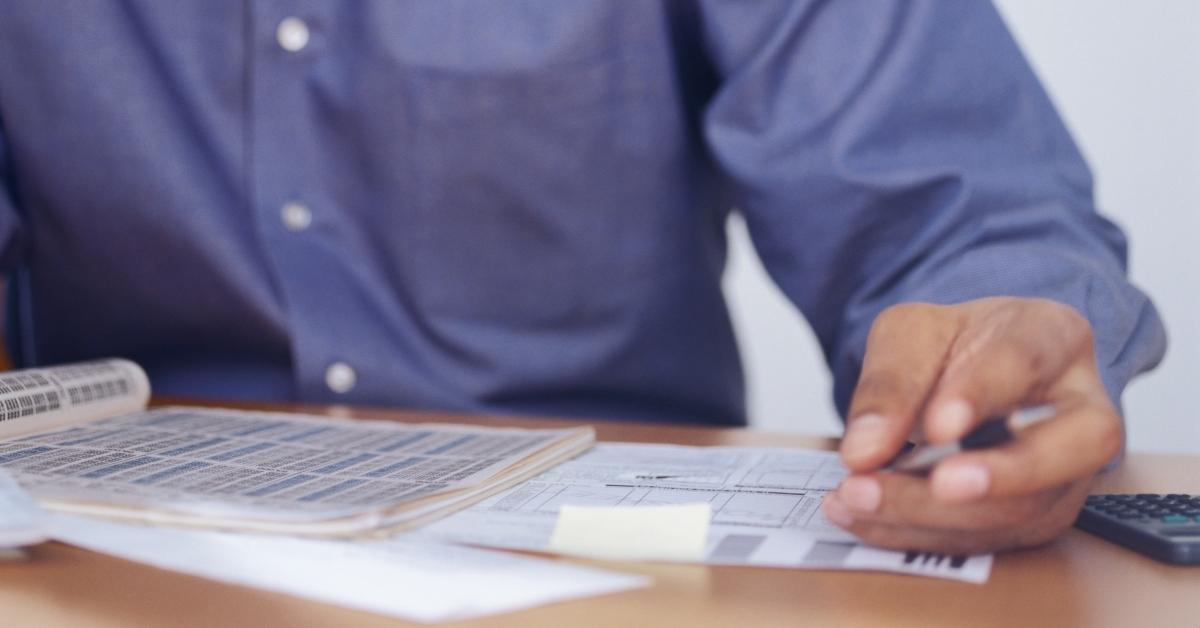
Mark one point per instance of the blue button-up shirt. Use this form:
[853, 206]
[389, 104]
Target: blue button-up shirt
[520, 206]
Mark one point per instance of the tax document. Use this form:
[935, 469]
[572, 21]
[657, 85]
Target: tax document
[765, 506]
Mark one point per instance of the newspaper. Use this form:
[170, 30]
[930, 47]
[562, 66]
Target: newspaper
[46, 398]
[765, 507]
[249, 470]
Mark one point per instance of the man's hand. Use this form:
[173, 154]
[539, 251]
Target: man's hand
[937, 371]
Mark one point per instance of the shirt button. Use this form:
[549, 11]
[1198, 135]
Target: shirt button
[295, 216]
[292, 34]
[340, 378]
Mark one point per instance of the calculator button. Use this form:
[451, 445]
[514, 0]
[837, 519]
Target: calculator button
[1176, 519]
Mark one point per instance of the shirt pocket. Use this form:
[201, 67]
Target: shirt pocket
[471, 62]
[529, 154]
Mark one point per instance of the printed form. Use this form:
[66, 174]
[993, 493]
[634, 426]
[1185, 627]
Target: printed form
[765, 507]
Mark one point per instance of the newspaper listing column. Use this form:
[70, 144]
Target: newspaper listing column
[46, 398]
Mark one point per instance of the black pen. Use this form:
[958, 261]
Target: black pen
[992, 432]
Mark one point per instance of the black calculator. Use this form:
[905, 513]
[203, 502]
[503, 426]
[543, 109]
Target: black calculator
[1165, 527]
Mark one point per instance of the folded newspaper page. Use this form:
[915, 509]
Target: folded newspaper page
[80, 440]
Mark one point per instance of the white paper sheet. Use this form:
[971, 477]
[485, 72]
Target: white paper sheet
[765, 503]
[413, 580]
[22, 521]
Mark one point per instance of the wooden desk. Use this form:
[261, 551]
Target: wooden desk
[1077, 581]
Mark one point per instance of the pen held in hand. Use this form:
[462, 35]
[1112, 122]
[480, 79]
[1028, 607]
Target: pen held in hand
[991, 433]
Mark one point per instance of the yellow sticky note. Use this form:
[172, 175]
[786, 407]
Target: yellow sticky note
[676, 532]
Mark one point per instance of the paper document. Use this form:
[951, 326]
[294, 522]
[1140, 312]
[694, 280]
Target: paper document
[765, 504]
[22, 521]
[422, 581]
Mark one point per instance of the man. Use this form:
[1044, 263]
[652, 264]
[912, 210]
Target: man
[520, 207]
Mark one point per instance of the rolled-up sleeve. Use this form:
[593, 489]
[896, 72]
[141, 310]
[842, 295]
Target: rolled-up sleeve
[888, 152]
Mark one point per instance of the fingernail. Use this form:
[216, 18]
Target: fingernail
[860, 493]
[952, 419]
[836, 512]
[863, 436]
[961, 482]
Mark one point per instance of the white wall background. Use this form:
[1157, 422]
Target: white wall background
[1126, 76]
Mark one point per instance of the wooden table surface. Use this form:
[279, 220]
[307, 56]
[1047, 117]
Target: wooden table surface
[1077, 581]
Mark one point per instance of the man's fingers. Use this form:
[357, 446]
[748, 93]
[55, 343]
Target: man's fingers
[1005, 358]
[905, 352]
[1071, 445]
[901, 522]
[900, 499]
[960, 542]
[955, 366]
[934, 540]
